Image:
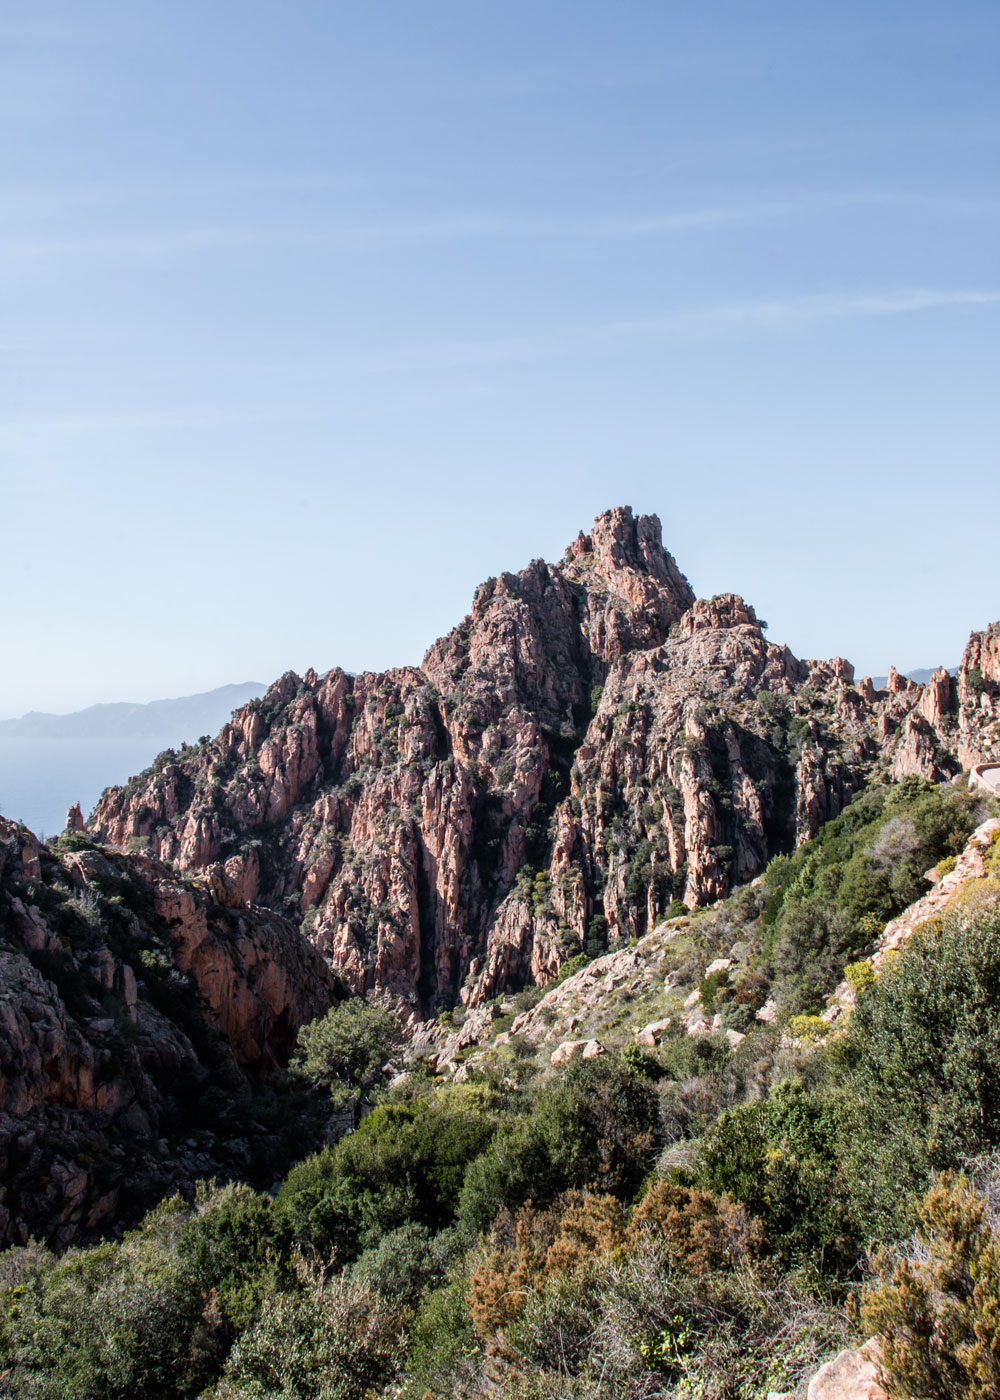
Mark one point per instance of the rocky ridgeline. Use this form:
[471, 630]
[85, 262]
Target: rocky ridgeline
[133, 1008]
[590, 745]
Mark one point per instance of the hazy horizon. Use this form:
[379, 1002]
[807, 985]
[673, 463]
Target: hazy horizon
[55, 760]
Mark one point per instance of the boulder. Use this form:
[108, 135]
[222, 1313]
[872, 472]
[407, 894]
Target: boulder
[853, 1375]
[651, 1035]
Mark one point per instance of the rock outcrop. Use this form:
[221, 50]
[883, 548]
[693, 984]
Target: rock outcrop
[589, 747]
[978, 690]
[136, 1017]
[852, 1375]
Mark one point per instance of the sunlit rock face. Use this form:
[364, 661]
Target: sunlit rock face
[590, 744]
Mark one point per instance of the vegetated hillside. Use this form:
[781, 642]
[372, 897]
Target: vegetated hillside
[771, 955]
[588, 747]
[140, 1023]
[692, 1210]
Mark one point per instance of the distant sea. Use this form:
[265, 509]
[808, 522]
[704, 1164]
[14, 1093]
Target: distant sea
[48, 762]
[40, 778]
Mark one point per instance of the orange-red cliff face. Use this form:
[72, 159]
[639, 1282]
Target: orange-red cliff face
[132, 1008]
[588, 745]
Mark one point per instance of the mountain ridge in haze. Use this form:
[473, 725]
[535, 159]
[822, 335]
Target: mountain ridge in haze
[920, 677]
[48, 762]
[123, 719]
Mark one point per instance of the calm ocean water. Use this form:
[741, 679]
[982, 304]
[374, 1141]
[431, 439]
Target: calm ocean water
[40, 778]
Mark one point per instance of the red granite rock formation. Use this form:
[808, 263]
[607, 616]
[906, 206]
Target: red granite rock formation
[118, 978]
[590, 744]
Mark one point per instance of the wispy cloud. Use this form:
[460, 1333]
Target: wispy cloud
[587, 339]
[831, 306]
[158, 244]
[226, 382]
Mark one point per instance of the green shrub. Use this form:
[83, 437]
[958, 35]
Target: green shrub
[569, 967]
[936, 1307]
[710, 988]
[406, 1163]
[115, 1322]
[407, 1262]
[442, 1345]
[345, 1051]
[826, 904]
[778, 1157]
[859, 976]
[808, 1027]
[231, 1250]
[923, 1085]
[596, 1127]
[334, 1339]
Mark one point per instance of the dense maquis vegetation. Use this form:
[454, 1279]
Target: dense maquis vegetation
[828, 901]
[687, 1221]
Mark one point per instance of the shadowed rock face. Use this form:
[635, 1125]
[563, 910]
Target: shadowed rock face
[588, 745]
[130, 1002]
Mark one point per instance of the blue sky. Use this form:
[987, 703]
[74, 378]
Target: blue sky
[314, 315]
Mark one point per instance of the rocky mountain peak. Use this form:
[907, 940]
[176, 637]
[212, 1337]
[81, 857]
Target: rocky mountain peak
[620, 540]
[589, 746]
[623, 558]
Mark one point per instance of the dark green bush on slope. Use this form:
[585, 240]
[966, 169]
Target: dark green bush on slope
[151, 1317]
[405, 1163]
[923, 1066]
[596, 1127]
[345, 1052]
[452, 1154]
[914, 1087]
[778, 1157]
[826, 903]
[332, 1339]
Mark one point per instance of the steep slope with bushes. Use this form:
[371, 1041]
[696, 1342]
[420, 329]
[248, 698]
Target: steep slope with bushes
[691, 1211]
[772, 954]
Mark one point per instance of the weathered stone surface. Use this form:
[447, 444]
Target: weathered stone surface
[853, 1375]
[651, 1034]
[114, 974]
[978, 685]
[589, 745]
